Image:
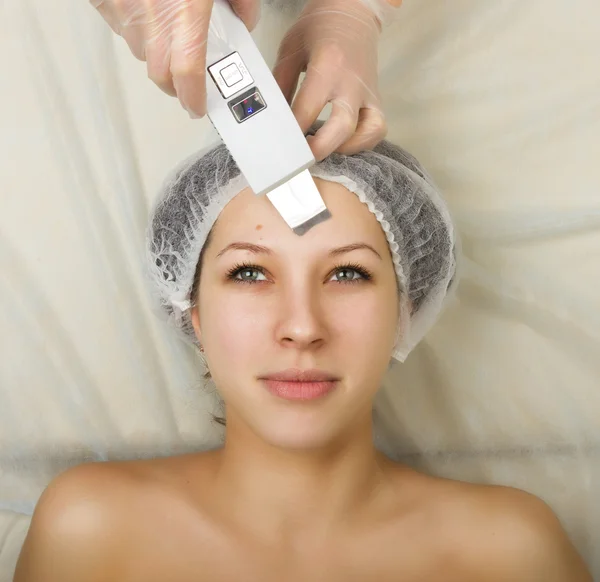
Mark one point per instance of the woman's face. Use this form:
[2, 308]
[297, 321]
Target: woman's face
[270, 300]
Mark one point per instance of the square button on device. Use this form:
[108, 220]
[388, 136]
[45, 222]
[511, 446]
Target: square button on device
[231, 75]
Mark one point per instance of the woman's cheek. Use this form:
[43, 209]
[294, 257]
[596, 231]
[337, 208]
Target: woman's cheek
[238, 325]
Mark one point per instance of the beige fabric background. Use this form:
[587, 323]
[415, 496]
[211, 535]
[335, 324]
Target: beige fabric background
[500, 101]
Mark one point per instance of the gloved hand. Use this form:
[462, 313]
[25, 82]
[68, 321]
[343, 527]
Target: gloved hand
[336, 42]
[170, 35]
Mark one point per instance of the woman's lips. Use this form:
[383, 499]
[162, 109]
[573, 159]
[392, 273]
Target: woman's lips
[299, 390]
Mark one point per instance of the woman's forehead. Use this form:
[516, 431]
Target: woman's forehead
[254, 218]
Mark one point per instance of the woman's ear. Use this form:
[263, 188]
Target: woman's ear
[195, 315]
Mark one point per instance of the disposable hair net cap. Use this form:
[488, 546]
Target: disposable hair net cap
[388, 180]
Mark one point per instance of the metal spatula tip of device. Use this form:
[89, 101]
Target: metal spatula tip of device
[318, 219]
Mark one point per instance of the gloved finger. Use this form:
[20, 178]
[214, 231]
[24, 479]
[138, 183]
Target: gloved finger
[313, 95]
[131, 12]
[287, 72]
[188, 56]
[290, 63]
[107, 12]
[158, 58]
[335, 131]
[248, 11]
[136, 39]
[370, 130]
[158, 55]
[132, 19]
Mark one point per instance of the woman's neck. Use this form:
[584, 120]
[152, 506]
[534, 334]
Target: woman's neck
[280, 493]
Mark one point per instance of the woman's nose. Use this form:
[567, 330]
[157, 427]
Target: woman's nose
[302, 318]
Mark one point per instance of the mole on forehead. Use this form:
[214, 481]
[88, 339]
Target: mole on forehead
[258, 226]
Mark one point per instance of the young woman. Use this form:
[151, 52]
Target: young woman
[297, 333]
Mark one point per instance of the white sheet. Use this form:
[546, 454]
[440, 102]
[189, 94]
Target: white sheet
[500, 101]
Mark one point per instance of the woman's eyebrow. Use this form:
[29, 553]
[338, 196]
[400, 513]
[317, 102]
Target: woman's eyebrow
[244, 246]
[261, 250]
[352, 247]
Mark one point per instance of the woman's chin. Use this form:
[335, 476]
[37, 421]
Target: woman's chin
[301, 434]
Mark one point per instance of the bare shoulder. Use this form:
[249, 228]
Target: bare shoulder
[510, 535]
[91, 519]
[74, 530]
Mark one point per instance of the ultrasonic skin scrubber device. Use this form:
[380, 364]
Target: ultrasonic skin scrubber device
[256, 123]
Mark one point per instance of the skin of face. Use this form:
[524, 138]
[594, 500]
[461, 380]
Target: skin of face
[297, 305]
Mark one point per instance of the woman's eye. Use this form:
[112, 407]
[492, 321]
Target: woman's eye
[347, 275]
[252, 274]
[249, 275]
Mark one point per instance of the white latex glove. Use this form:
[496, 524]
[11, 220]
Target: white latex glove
[336, 42]
[171, 35]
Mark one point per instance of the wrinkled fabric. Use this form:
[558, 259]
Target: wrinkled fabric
[504, 388]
